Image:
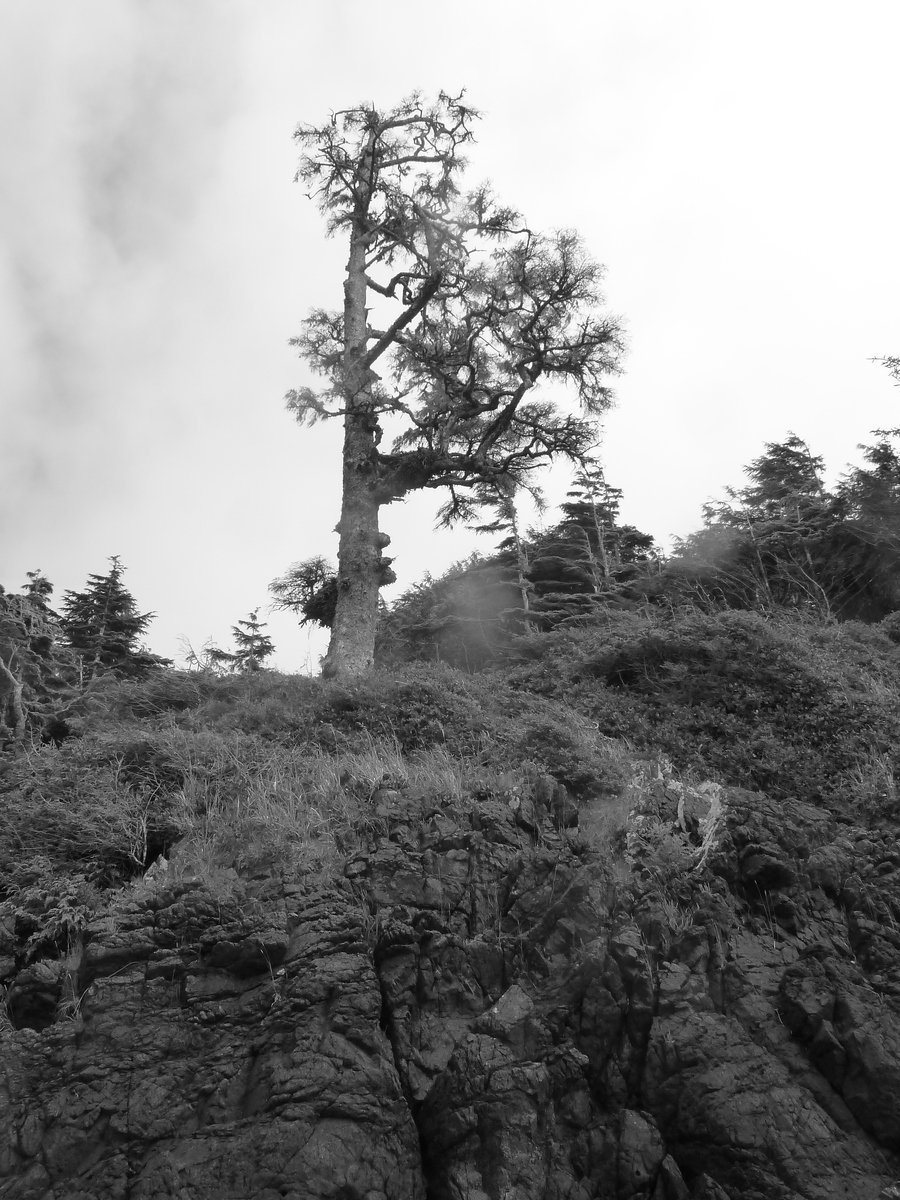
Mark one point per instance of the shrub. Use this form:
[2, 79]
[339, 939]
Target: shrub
[419, 708]
[268, 771]
[787, 706]
[50, 911]
[159, 692]
[87, 808]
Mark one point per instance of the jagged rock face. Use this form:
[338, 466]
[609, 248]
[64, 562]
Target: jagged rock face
[482, 1009]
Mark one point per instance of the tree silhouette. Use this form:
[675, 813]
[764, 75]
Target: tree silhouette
[464, 311]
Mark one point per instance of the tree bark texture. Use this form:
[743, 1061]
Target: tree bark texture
[351, 650]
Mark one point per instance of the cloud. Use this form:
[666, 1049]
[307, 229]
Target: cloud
[114, 115]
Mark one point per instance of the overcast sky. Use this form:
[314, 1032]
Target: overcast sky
[734, 165]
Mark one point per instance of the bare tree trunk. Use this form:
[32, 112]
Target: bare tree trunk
[524, 589]
[351, 650]
[12, 710]
[522, 565]
[601, 545]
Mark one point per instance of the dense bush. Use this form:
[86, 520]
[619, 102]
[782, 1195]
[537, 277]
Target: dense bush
[474, 718]
[788, 706]
[274, 768]
[104, 805]
[283, 768]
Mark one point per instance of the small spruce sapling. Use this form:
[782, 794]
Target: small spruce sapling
[37, 591]
[252, 646]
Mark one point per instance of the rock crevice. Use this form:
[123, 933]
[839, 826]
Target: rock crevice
[491, 1003]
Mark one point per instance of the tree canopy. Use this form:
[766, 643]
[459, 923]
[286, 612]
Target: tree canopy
[456, 317]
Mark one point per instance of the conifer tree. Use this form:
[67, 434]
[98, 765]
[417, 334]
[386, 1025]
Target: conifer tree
[588, 558]
[500, 499]
[454, 314]
[102, 623]
[785, 483]
[252, 646]
[784, 541]
[872, 493]
[38, 590]
[590, 517]
[864, 544]
[39, 621]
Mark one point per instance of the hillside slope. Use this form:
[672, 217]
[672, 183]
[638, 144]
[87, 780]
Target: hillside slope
[441, 936]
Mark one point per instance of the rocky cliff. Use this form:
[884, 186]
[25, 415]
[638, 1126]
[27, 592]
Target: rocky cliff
[671, 992]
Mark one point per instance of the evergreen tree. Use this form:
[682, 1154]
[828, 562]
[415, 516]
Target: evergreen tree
[252, 646]
[499, 499]
[454, 314]
[14, 612]
[590, 516]
[872, 493]
[39, 620]
[102, 623]
[38, 590]
[473, 613]
[588, 559]
[37, 674]
[785, 541]
[865, 541]
[785, 482]
[27, 615]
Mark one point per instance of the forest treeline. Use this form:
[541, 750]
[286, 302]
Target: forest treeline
[781, 543]
[50, 657]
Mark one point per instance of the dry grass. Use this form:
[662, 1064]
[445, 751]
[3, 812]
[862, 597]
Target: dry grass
[109, 802]
[249, 803]
[74, 806]
[679, 917]
[874, 781]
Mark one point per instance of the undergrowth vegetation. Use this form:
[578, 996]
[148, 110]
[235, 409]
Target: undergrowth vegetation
[265, 771]
[785, 705]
